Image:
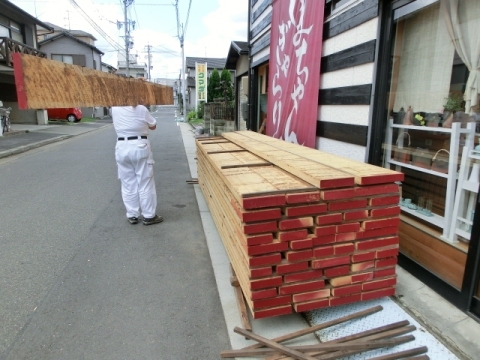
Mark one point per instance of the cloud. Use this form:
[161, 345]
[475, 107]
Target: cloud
[225, 24]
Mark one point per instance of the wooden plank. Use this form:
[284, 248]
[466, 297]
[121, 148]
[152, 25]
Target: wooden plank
[42, 83]
[319, 175]
[237, 159]
[364, 174]
[220, 147]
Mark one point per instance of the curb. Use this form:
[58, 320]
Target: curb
[25, 148]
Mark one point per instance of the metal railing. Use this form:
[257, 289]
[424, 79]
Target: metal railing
[9, 46]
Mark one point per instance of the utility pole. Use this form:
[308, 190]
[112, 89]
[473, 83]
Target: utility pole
[181, 36]
[126, 4]
[149, 57]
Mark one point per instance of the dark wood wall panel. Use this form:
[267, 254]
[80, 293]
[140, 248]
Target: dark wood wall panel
[256, 14]
[357, 55]
[263, 42]
[261, 26]
[357, 15]
[348, 95]
[351, 134]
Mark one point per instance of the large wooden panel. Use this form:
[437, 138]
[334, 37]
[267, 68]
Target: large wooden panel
[435, 255]
[43, 83]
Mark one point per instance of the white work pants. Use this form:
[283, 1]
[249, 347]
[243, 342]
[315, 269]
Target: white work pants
[135, 171]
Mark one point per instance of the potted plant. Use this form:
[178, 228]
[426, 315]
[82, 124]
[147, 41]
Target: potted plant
[453, 103]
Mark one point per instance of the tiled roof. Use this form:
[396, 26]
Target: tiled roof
[212, 63]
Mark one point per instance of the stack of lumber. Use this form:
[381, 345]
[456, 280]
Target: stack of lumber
[303, 229]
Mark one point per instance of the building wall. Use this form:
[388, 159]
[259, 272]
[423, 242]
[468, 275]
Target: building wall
[67, 46]
[346, 73]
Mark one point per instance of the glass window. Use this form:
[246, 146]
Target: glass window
[67, 59]
[4, 32]
[428, 90]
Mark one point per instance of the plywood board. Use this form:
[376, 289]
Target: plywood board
[42, 83]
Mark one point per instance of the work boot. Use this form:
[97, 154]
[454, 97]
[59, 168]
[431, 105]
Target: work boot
[155, 220]
[133, 220]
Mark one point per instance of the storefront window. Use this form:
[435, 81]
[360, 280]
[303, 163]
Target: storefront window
[433, 108]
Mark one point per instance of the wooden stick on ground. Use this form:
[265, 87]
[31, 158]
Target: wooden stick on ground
[274, 345]
[402, 354]
[356, 336]
[353, 345]
[321, 326]
[383, 335]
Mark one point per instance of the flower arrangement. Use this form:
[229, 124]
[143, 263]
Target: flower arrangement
[420, 119]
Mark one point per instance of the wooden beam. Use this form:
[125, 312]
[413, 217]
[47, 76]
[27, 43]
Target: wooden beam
[43, 83]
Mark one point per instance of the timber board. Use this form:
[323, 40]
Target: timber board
[43, 83]
[237, 159]
[255, 181]
[319, 175]
[219, 147]
[365, 174]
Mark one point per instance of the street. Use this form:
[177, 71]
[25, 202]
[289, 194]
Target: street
[77, 281]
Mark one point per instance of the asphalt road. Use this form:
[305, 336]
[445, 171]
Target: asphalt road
[77, 281]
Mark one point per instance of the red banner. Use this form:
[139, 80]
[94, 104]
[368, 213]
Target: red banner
[294, 70]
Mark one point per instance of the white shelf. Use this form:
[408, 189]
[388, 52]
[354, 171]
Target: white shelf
[470, 186]
[429, 128]
[465, 234]
[435, 219]
[459, 137]
[418, 168]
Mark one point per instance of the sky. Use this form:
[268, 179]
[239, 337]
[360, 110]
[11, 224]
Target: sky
[209, 27]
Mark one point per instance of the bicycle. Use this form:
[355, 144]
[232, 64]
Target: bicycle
[5, 113]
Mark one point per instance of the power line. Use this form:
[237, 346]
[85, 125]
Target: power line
[95, 26]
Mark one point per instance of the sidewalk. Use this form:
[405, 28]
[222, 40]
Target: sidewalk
[24, 137]
[448, 332]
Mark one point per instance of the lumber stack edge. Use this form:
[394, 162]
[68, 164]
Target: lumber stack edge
[303, 229]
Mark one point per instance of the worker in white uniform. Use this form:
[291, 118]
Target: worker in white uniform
[135, 162]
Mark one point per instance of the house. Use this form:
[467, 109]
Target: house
[18, 33]
[74, 47]
[135, 69]
[212, 63]
[237, 61]
[381, 70]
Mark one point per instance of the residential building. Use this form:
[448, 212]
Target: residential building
[385, 70]
[74, 47]
[18, 33]
[237, 61]
[135, 69]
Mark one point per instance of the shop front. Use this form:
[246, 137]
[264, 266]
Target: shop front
[399, 83]
[431, 134]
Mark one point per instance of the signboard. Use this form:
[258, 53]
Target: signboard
[294, 70]
[201, 81]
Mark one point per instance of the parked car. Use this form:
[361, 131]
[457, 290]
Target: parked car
[69, 114]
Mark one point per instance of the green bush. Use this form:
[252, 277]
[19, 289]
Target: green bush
[192, 115]
[200, 108]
